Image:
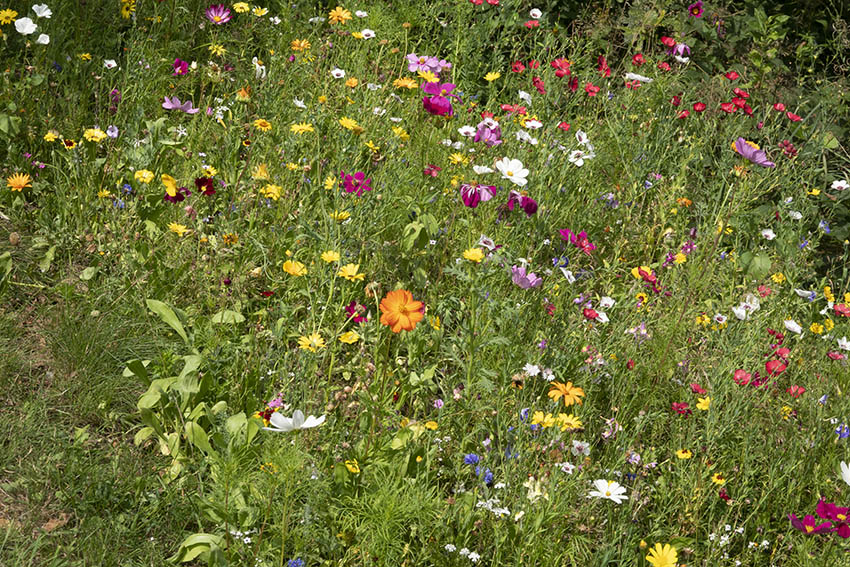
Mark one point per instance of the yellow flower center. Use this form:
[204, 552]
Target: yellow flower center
[510, 173]
[216, 19]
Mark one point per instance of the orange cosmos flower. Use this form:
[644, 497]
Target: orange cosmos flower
[571, 394]
[400, 311]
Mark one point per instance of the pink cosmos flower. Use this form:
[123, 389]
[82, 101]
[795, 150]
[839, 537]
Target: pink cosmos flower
[218, 14]
[523, 279]
[174, 104]
[474, 194]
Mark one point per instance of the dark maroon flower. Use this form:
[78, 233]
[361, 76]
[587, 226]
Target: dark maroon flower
[205, 185]
[181, 194]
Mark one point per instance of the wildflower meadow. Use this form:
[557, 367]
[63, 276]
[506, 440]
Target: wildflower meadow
[448, 283]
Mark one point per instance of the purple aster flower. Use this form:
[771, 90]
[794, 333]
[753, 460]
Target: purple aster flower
[758, 157]
[218, 14]
[523, 279]
[474, 194]
[488, 132]
[175, 104]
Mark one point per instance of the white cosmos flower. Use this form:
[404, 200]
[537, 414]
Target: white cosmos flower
[297, 421]
[535, 14]
[845, 472]
[259, 68]
[768, 233]
[843, 343]
[467, 131]
[524, 136]
[636, 77]
[361, 14]
[681, 59]
[25, 26]
[368, 34]
[337, 73]
[581, 137]
[577, 157]
[42, 11]
[793, 326]
[481, 169]
[606, 302]
[299, 103]
[609, 490]
[795, 215]
[525, 97]
[840, 185]
[533, 124]
[513, 170]
[43, 39]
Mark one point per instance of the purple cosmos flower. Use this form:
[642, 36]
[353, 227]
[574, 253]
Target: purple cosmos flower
[175, 104]
[837, 514]
[488, 132]
[474, 194]
[439, 103]
[758, 157]
[682, 50]
[422, 63]
[695, 9]
[523, 279]
[356, 183]
[218, 14]
[180, 67]
[809, 525]
[580, 240]
[527, 204]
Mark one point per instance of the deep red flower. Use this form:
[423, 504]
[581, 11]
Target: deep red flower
[724, 495]
[603, 66]
[676, 100]
[205, 185]
[564, 126]
[664, 66]
[533, 64]
[834, 355]
[699, 106]
[741, 93]
[684, 114]
[267, 293]
[590, 313]
[431, 170]
[562, 67]
[681, 408]
[513, 108]
[573, 84]
[668, 41]
[630, 364]
[792, 117]
[539, 85]
[742, 377]
[779, 106]
[638, 59]
[697, 389]
[748, 110]
[783, 352]
[728, 107]
[732, 75]
[775, 367]
[739, 102]
[517, 67]
[486, 114]
[532, 24]
[591, 89]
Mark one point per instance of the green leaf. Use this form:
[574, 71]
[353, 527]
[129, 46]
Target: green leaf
[137, 368]
[227, 316]
[198, 437]
[194, 545]
[167, 315]
[142, 435]
[88, 273]
[44, 264]
[759, 268]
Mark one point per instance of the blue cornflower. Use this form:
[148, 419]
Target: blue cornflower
[523, 414]
[824, 226]
[843, 431]
[471, 459]
[488, 476]
[295, 563]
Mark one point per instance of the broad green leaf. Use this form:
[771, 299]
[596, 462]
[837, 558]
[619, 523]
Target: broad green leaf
[88, 273]
[167, 315]
[228, 316]
[759, 268]
[142, 435]
[44, 263]
[198, 437]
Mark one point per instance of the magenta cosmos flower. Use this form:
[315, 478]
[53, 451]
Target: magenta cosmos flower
[580, 240]
[527, 204]
[472, 194]
[523, 279]
[218, 14]
[809, 525]
[356, 183]
[439, 102]
[837, 514]
[695, 9]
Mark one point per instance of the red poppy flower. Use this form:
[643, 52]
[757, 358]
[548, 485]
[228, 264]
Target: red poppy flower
[668, 41]
[732, 75]
[562, 67]
[699, 106]
[590, 313]
[532, 24]
[792, 117]
[741, 93]
[638, 59]
[684, 114]
[796, 391]
[517, 67]
[728, 107]
[739, 102]
[742, 377]
[775, 367]
[681, 408]
[533, 64]
[664, 66]
[779, 106]
[591, 89]
[564, 126]
[697, 389]
[842, 309]
[513, 108]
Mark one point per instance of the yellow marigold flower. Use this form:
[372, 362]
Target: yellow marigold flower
[405, 83]
[301, 128]
[18, 181]
[261, 172]
[778, 278]
[271, 192]
[457, 158]
[703, 319]
[210, 171]
[785, 412]
[51, 136]
[143, 176]
[428, 76]
[357, 35]
[350, 124]
[85, 56]
[103, 193]
[177, 229]
[351, 272]
[473, 254]
[7, 16]
[435, 322]
[571, 394]
[262, 124]
[684, 202]
[299, 45]
[241, 7]
[217, 49]
[349, 338]
[352, 466]
[330, 256]
[704, 403]
[827, 293]
[294, 268]
[340, 216]
[352, 82]
[339, 15]
[680, 258]
[330, 182]
[322, 99]
[684, 454]
[662, 556]
[432, 425]
[813, 192]
[260, 12]
[312, 342]
[69, 144]
[492, 76]
[230, 238]
[828, 325]
[816, 328]
[718, 479]
[568, 422]
[401, 133]
[95, 135]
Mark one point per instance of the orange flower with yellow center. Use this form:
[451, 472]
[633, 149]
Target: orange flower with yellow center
[401, 311]
[571, 394]
[18, 181]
